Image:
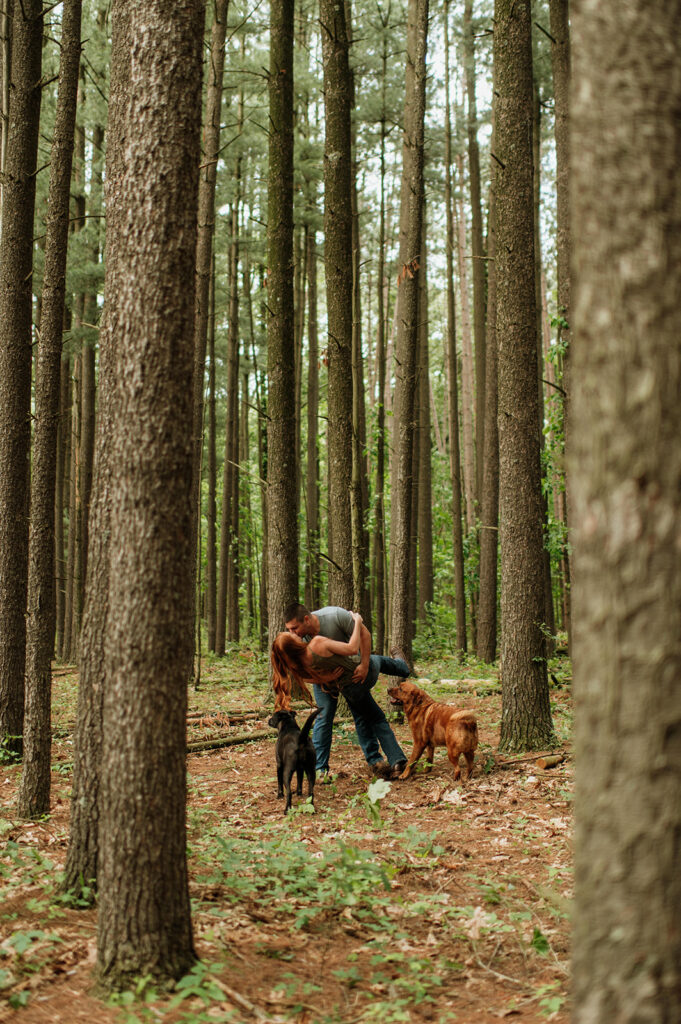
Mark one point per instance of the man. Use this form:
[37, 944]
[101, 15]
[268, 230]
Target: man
[371, 724]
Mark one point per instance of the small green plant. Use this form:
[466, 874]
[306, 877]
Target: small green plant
[376, 792]
[198, 983]
[550, 1000]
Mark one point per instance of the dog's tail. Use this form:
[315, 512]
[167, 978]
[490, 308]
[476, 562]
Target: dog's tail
[469, 723]
[305, 731]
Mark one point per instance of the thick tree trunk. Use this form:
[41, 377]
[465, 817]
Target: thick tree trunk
[144, 915]
[282, 457]
[338, 264]
[526, 715]
[411, 216]
[34, 789]
[625, 465]
[16, 265]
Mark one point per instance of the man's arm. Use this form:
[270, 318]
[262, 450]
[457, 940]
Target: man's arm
[360, 673]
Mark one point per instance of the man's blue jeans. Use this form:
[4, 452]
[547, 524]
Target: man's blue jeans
[371, 725]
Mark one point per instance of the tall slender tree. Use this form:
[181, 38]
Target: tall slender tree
[477, 247]
[16, 267]
[205, 268]
[411, 218]
[453, 395]
[338, 265]
[282, 456]
[34, 790]
[83, 854]
[489, 504]
[560, 63]
[526, 715]
[625, 466]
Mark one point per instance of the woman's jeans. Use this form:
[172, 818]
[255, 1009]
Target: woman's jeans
[371, 724]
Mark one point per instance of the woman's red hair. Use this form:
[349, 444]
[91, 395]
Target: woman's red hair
[289, 670]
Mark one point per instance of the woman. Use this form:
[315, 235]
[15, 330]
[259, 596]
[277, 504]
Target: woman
[330, 664]
[308, 662]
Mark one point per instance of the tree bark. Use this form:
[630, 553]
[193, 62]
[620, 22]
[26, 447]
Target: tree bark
[489, 505]
[83, 854]
[205, 271]
[560, 63]
[425, 489]
[625, 468]
[16, 268]
[411, 216]
[453, 391]
[282, 457]
[144, 922]
[338, 264]
[477, 247]
[34, 789]
[312, 582]
[526, 715]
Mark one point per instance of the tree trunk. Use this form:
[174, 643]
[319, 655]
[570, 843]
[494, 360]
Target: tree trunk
[16, 267]
[379, 542]
[625, 466]
[211, 506]
[338, 264]
[411, 216]
[468, 390]
[489, 506]
[312, 584]
[205, 278]
[63, 433]
[526, 715]
[144, 913]
[83, 854]
[478, 262]
[453, 396]
[282, 457]
[560, 63]
[425, 490]
[34, 789]
[6, 18]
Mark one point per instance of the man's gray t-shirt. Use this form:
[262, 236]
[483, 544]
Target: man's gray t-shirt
[335, 623]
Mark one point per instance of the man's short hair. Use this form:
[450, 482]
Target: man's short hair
[295, 611]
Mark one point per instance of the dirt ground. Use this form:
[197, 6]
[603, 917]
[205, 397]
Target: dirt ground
[432, 902]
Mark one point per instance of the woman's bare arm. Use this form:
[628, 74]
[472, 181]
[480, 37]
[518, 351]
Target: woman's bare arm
[323, 646]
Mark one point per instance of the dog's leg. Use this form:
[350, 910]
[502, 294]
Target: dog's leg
[287, 789]
[454, 753]
[430, 750]
[470, 756]
[280, 781]
[299, 773]
[413, 758]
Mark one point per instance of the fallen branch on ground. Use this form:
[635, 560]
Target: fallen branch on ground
[228, 741]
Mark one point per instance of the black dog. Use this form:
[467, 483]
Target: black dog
[295, 753]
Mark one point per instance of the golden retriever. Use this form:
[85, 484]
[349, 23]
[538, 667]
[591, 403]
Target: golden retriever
[435, 725]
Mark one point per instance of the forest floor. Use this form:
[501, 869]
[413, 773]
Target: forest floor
[435, 902]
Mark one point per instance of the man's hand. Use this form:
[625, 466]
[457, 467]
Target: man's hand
[360, 673]
[362, 670]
